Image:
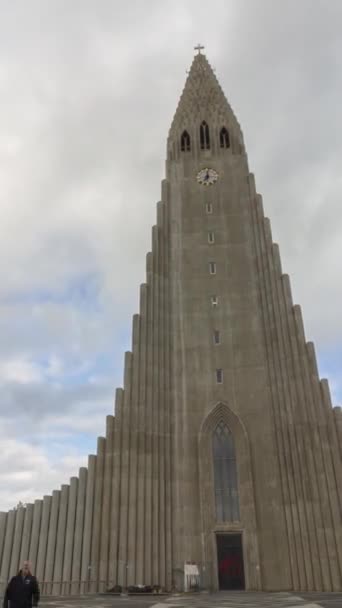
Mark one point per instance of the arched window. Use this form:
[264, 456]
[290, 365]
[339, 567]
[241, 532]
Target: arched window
[185, 141]
[225, 475]
[204, 136]
[224, 138]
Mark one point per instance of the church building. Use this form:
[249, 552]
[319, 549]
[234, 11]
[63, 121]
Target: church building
[222, 463]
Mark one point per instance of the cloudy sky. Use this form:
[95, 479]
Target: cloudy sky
[87, 93]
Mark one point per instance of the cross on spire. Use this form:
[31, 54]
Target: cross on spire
[199, 48]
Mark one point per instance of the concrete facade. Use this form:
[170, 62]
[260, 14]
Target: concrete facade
[215, 298]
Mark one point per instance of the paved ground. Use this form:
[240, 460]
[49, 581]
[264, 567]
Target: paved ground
[202, 600]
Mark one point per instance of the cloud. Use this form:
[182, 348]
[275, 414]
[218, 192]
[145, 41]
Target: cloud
[88, 94]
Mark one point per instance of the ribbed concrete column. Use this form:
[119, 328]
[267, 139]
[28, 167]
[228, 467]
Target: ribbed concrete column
[43, 542]
[51, 543]
[278, 399]
[167, 392]
[60, 542]
[79, 523]
[141, 438]
[8, 544]
[18, 530]
[125, 455]
[161, 399]
[3, 522]
[3, 518]
[35, 533]
[115, 496]
[26, 535]
[88, 524]
[105, 517]
[148, 425]
[155, 412]
[338, 422]
[95, 541]
[133, 461]
[69, 536]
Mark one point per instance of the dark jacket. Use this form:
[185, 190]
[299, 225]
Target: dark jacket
[22, 592]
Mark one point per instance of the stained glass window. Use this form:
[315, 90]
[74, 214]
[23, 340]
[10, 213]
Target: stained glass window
[225, 475]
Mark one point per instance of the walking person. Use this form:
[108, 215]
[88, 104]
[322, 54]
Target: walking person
[22, 590]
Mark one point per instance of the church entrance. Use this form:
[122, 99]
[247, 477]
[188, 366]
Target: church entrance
[230, 561]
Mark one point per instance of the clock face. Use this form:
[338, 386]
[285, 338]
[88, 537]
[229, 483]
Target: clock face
[207, 176]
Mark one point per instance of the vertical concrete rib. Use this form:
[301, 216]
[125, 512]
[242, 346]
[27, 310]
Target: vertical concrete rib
[7, 548]
[18, 531]
[125, 456]
[337, 412]
[88, 526]
[26, 534]
[283, 451]
[161, 393]
[79, 525]
[167, 393]
[322, 476]
[294, 435]
[155, 410]
[133, 461]
[69, 536]
[35, 534]
[148, 423]
[96, 528]
[105, 516]
[3, 520]
[141, 437]
[60, 540]
[51, 543]
[43, 542]
[115, 494]
[289, 338]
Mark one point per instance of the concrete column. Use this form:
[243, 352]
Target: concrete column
[60, 542]
[105, 517]
[148, 425]
[51, 542]
[140, 547]
[133, 460]
[69, 536]
[3, 529]
[155, 412]
[79, 523]
[26, 535]
[88, 526]
[43, 542]
[167, 393]
[125, 455]
[338, 422]
[35, 533]
[284, 456]
[3, 519]
[18, 531]
[161, 400]
[289, 346]
[96, 529]
[115, 496]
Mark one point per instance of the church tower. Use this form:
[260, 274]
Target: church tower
[224, 455]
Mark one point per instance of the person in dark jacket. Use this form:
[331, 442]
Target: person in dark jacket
[22, 590]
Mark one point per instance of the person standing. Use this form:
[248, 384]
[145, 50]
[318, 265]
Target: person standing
[22, 590]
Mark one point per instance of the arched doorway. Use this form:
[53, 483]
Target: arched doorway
[229, 533]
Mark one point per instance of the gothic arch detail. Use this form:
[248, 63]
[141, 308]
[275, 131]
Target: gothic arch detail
[222, 414]
[185, 142]
[224, 138]
[204, 136]
[225, 474]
